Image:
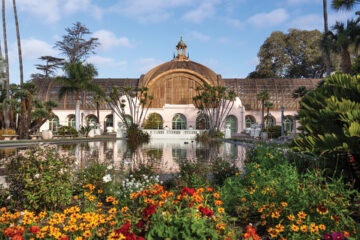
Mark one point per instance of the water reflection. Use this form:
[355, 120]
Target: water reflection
[163, 155]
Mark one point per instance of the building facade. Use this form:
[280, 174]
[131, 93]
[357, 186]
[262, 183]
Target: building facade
[173, 85]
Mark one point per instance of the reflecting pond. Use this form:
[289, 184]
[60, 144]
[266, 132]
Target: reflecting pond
[163, 155]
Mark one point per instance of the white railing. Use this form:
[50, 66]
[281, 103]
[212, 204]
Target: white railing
[179, 134]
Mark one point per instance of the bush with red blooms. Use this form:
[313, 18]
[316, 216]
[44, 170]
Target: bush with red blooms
[124, 233]
[250, 233]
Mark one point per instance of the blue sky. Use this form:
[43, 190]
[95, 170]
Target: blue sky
[136, 35]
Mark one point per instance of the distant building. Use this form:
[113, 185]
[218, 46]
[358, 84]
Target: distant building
[173, 86]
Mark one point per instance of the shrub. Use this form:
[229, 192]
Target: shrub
[272, 194]
[135, 136]
[222, 169]
[208, 136]
[274, 131]
[67, 130]
[154, 121]
[192, 173]
[40, 178]
[84, 131]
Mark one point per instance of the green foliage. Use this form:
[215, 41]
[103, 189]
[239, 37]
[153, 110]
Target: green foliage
[215, 102]
[40, 179]
[67, 131]
[136, 136]
[330, 118]
[344, 4]
[193, 173]
[272, 189]
[296, 54]
[221, 170]
[208, 136]
[154, 121]
[186, 226]
[273, 131]
[84, 130]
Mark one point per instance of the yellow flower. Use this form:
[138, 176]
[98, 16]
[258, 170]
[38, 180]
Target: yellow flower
[302, 215]
[304, 228]
[76, 197]
[86, 194]
[284, 204]
[91, 198]
[218, 202]
[273, 232]
[216, 195]
[280, 227]
[99, 204]
[220, 226]
[275, 214]
[124, 209]
[291, 217]
[221, 210]
[100, 191]
[322, 227]
[243, 199]
[112, 210]
[78, 238]
[294, 228]
[87, 234]
[313, 228]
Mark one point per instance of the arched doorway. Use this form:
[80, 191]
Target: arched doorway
[54, 124]
[270, 122]
[71, 121]
[91, 120]
[249, 120]
[109, 121]
[202, 122]
[288, 124]
[154, 121]
[232, 121]
[179, 121]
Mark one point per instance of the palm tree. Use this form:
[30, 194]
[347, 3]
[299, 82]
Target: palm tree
[342, 39]
[78, 78]
[19, 44]
[7, 84]
[268, 105]
[326, 47]
[263, 96]
[344, 4]
[98, 100]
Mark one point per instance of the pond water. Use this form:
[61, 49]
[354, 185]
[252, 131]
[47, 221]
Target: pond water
[163, 155]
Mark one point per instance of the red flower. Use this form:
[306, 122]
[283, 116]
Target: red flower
[206, 211]
[64, 237]
[9, 232]
[17, 237]
[191, 204]
[186, 190]
[34, 229]
[140, 224]
[149, 211]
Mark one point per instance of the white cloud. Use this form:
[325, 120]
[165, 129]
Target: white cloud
[49, 10]
[272, 18]
[99, 61]
[149, 10]
[73, 6]
[199, 36]
[223, 40]
[316, 21]
[203, 11]
[34, 48]
[109, 40]
[145, 64]
[235, 22]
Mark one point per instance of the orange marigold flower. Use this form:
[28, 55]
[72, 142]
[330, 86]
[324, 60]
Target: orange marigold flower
[100, 191]
[111, 199]
[3, 209]
[99, 204]
[76, 197]
[273, 232]
[243, 199]
[284, 204]
[209, 189]
[218, 202]
[346, 234]
[322, 227]
[86, 194]
[115, 202]
[91, 198]
[221, 210]
[280, 227]
[275, 214]
[198, 198]
[216, 195]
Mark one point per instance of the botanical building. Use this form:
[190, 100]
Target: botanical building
[173, 84]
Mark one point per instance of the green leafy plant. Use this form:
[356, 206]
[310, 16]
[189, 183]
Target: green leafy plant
[40, 178]
[67, 131]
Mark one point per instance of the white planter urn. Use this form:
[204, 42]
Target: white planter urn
[46, 134]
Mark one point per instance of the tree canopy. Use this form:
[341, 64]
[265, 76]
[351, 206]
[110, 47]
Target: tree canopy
[296, 54]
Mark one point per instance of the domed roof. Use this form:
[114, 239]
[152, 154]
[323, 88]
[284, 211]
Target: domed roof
[178, 66]
[181, 44]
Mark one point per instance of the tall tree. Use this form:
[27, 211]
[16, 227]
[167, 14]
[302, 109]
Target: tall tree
[296, 54]
[215, 102]
[78, 78]
[74, 45]
[49, 68]
[326, 47]
[263, 96]
[342, 38]
[98, 99]
[18, 43]
[268, 106]
[344, 4]
[7, 85]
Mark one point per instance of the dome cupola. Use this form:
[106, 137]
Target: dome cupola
[181, 50]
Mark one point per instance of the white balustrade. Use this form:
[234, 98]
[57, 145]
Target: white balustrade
[178, 134]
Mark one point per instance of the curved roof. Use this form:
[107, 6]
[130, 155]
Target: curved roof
[180, 65]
